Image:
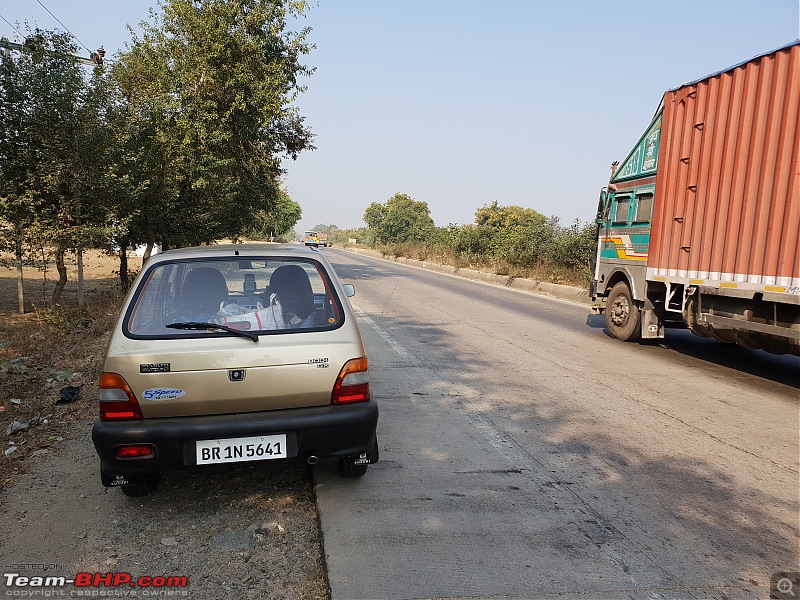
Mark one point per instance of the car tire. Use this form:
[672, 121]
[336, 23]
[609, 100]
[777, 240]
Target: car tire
[346, 470]
[143, 487]
[623, 315]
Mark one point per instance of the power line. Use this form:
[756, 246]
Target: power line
[95, 58]
[10, 25]
[64, 26]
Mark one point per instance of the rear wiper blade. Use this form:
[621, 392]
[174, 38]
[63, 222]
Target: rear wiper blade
[207, 326]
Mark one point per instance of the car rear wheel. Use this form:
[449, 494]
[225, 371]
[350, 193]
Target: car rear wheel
[143, 487]
[346, 470]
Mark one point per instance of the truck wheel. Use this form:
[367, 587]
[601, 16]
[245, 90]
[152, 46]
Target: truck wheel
[623, 316]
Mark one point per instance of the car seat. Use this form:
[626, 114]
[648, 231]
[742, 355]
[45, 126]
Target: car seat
[204, 289]
[291, 285]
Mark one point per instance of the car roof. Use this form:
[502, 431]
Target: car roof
[239, 250]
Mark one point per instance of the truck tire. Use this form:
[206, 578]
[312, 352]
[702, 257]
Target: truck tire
[623, 315]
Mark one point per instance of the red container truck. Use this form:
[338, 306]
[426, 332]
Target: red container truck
[700, 225]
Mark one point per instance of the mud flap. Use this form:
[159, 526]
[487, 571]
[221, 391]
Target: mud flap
[652, 319]
[367, 458]
[652, 325]
[116, 480]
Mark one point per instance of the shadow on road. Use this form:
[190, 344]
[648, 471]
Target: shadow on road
[783, 369]
[689, 514]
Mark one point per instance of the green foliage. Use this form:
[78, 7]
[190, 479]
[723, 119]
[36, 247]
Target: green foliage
[503, 217]
[470, 240]
[342, 237]
[506, 239]
[276, 224]
[574, 247]
[325, 228]
[53, 148]
[48, 127]
[401, 219]
[181, 141]
[205, 106]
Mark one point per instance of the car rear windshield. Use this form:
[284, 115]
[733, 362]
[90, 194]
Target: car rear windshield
[264, 296]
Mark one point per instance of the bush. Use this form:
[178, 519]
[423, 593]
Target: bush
[470, 240]
[506, 240]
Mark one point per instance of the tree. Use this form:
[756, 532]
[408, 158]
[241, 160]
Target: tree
[50, 186]
[181, 141]
[401, 219]
[501, 217]
[17, 209]
[205, 106]
[276, 223]
[325, 228]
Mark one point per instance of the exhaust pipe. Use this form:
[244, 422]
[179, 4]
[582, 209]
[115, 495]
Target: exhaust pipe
[312, 459]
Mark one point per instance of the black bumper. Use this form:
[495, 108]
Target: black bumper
[325, 431]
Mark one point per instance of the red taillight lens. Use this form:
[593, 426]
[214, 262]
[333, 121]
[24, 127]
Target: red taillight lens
[117, 402]
[135, 451]
[352, 384]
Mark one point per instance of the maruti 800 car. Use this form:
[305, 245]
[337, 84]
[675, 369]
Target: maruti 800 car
[234, 353]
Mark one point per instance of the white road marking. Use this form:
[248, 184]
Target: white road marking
[381, 332]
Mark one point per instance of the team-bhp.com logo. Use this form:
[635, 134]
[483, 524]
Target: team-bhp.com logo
[88, 584]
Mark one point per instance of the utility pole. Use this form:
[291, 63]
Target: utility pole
[95, 58]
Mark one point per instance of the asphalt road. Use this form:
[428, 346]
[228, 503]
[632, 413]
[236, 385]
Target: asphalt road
[526, 454]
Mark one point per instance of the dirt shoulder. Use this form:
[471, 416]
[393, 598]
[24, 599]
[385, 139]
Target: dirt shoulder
[233, 532]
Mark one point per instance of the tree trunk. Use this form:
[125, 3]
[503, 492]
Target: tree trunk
[20, 288]
[62, 275]
[151, 240]
[44, 277]
[123, 265]
[81, 290]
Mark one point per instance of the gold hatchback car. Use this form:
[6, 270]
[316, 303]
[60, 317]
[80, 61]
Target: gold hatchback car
[232, 353]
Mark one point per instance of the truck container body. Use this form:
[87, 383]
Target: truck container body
[700, 225]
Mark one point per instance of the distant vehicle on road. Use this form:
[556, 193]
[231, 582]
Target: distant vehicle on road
[315, 238]
[700, 225]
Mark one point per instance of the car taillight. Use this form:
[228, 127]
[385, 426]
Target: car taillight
[117, 401]
[135, 451]
[352, 384]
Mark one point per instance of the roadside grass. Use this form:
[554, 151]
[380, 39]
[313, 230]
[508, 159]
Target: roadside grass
[542, 271]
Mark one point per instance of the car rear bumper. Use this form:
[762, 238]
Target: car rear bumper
[325, 431]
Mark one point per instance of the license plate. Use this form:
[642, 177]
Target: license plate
[260, 447]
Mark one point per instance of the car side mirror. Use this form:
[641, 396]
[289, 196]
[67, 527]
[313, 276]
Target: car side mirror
[349, 290]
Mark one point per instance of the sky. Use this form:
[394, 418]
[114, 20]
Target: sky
[458, 103]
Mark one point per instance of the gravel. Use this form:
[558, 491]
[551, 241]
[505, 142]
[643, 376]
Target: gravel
[234, 531]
